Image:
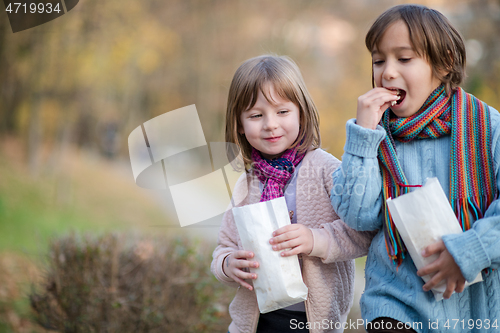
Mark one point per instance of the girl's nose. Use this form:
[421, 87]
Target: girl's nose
[270, 123]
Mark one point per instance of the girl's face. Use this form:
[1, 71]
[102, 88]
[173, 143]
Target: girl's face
[397, 66]
[271, 128]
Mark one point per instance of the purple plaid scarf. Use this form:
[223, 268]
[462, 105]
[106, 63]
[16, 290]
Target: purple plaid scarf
[276, 173]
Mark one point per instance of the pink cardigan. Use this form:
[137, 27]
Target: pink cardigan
[328, 271]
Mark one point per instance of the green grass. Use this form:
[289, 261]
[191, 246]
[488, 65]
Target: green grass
[27, 225]
[28, 215]
[87, 196]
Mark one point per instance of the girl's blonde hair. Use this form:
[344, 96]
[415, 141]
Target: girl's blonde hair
[256, 74]
[432, 37]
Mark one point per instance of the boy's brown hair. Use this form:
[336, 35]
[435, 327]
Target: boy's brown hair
[256, 74]
[432, 37]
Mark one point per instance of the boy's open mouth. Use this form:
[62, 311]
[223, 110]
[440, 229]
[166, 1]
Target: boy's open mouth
[400, 93]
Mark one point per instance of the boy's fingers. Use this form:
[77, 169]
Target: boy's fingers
[376, 92]
[385, 99]
[385, 106]
[450, 287]
[378, 97]
[460, 286]
[428, 269]
[433, 249]
[434, 281]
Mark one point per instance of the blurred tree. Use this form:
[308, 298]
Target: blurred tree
[125, 62]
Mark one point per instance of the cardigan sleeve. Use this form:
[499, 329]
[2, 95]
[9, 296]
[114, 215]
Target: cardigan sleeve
[227, 240]
[356, 194]
[335, 241]
[479, 247]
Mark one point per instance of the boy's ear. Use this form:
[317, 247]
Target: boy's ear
[446, 71]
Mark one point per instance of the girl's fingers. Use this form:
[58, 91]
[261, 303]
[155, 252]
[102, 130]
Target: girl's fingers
[245, 275]
[286, 233]
[298, 238]
[241, 254]
[243, 283]
[294, 251]
[287, 245]
[284, 229]
[246, 264]
[240, 275]
[283, 238]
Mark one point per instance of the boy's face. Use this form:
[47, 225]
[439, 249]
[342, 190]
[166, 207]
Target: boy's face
[397, 66]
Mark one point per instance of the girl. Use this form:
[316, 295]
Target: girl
[272, 118]
[417, 123]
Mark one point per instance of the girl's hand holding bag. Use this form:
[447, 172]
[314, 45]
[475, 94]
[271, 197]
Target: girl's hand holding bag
[279, 283]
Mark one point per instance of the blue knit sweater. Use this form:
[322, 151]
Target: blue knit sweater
[397, 292]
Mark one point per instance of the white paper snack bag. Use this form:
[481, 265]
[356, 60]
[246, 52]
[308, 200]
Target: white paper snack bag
[279, 282]
[422, 218]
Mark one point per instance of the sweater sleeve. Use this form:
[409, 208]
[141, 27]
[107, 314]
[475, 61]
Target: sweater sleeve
[479, 247]
[356, 194]
[227, 243]
[336, 241]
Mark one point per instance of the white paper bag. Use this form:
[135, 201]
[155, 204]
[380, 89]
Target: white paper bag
[279, 282]
[422, 218]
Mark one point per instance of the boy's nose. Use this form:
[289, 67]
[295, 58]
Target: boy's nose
[390, 71]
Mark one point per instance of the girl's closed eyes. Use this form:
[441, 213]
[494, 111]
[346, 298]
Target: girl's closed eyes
[282, 112]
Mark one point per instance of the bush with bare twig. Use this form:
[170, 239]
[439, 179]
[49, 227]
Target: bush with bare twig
[113, 284]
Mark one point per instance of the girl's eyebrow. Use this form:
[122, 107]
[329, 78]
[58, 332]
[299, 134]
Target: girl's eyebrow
[396, 49]
[253, 108]
[277, 105]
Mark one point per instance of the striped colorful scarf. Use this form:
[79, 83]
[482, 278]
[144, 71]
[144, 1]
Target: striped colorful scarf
[275, 173]
[472, 177]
